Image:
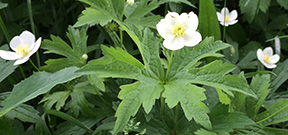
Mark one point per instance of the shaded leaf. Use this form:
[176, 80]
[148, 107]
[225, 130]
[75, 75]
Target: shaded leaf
[38, 83]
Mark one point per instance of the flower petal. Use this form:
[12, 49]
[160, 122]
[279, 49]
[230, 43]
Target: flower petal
[260, 54]
[21, 60]
[224, 11]
[233, 15]
[192, 22]
[27, 38]
[220, 17]
[275, 58]
[270, 65]
[231, 22]
[36, 46]
[192, 38]
[174, 44]
[15, 42]
[268, 51]
[7, 55]
[165, 29]
[172, 17]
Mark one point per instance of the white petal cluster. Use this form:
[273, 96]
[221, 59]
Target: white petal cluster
[225, 18]
[23, 45]
[267, 58]
[179, 30]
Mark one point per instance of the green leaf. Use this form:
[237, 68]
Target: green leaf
[264, 5]
[92, 16]
[78, 39]
[3, 5]
[58, 98]
[223, 98]
[121, 55]
[35, 85]
[225, 121]
[190, 97]
[144, 92]
[58, 46]
[25, 113]
[208, 22]
[204, 132]
[249, 8]
[283, 3]
[277, 113]
[281, 77]
[67, 128]
[6, 126]
[127, 108]
[212, 75]
[53, 65]
[189, 56]
[150, 47]
[97, 81]
[275, 131]
[69, 118]
[117, 63]
[260, 86]
[6, 67]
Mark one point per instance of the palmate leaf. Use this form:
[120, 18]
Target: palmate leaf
[213, 74]
[101, 12]
[35, 85]
[78, 39]
[115, 63]
[143, 92]
[190, 97]
[185, 59]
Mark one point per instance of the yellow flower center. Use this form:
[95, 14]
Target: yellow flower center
[178, 30]
[266, 58]
[23, 50]
[227, 18]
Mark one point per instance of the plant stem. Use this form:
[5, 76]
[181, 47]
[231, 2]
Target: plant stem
[169, 64]
[3, 27]
[22, 72]
[33, 28]
[33, 65]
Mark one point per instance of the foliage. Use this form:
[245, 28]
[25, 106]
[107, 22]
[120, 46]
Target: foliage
[102, 69]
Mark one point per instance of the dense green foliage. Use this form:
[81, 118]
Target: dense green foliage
[103, 70]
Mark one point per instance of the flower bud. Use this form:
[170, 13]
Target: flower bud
[130, 2]
[85, 56]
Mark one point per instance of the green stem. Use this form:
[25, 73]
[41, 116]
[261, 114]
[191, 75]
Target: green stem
[162, 109]
[3, 27]
[121, 39]
[169, 64]
[22, 72]
[33, 28]
[283, 25]
[33, 65]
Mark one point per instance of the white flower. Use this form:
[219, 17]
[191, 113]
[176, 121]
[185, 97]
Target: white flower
[23, 45]
[227, 18]
[179, 30]
[130, 2]
[267, 58]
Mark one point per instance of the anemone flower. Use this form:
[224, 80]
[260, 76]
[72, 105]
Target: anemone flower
[179, 30]
[23, 45]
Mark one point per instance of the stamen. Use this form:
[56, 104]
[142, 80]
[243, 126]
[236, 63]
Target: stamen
[266, 58]
[178, 30]
[23, 50]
